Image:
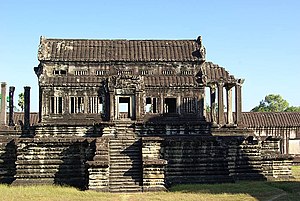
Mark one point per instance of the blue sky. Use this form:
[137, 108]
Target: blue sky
[258, 40]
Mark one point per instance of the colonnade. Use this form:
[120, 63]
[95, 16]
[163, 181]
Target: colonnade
[3, 113]
[217, 114]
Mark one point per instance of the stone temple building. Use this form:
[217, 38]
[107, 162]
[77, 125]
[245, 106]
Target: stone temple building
[131, 115]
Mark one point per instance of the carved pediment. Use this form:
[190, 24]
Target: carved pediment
[126, 81]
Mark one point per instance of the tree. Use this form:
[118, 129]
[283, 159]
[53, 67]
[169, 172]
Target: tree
[21, 101]
[293, 109]
[274, 103]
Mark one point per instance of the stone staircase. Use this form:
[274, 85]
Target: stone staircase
[7, 160]
[51, 161]
[125, 161]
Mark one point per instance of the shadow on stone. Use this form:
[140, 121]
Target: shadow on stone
[72, 171]
[8, 158]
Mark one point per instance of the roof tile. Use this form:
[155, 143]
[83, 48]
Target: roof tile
[117, 50]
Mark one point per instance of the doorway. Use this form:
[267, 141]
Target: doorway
[124, 108]
[170, 105]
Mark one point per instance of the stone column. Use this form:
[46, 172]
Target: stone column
[26, 108]
[238, 101]
[201, 106]
[111, 105]
[229, 105]
[162, 111]
[178, 104]
[138, 105]
[213, 103]
[41, 105]
[221, 119]
[11, 106]
[3, 104]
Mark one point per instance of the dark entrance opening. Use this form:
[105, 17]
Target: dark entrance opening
[170, 105]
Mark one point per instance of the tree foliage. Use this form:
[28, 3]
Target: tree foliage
[293, 109]
[274, 103]
[21, 101]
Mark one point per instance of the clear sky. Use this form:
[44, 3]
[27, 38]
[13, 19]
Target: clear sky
[258, 40]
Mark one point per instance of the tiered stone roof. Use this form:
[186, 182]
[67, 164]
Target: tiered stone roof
[117, 50]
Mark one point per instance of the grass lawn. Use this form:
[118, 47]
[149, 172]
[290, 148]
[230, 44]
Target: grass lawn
[250, 190]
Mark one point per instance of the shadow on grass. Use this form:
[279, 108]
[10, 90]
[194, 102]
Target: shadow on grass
[261, 190]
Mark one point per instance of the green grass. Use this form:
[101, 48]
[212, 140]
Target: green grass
[250, 190]
[56, 193]
[296, 172]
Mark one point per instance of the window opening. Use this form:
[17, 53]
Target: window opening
[125, 72]
[81, 72]
[59, 72]
[186, 72]
[151, 105]
[154, 105]
[167, 72]
[188, 105]
[144, 72]
[76, 105]
[170, 105]
[101, 72]
[148, 105]
[95, 105]
[63, 72]
[56, 105]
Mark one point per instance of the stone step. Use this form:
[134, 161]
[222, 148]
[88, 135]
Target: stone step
[124, 167]
[128, 159]
[125, 184]
[48, 175]
[125, 153]
[51, 166]
[118, 181]
[124, 141]
[123, 189]
[116, 170]
[69, 171]
[42, 162]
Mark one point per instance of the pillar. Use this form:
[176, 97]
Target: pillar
[201, 106]
[178, 104]
[238, 101]
[221, 119]
[11, 106]
[138, 104]
[26, 108]
[3, 104]
[162, 111]
[111, 105]
[213, 103]
[229, 104]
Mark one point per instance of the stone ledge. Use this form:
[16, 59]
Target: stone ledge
[98, 163]
[278, 157]
[155, 162]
